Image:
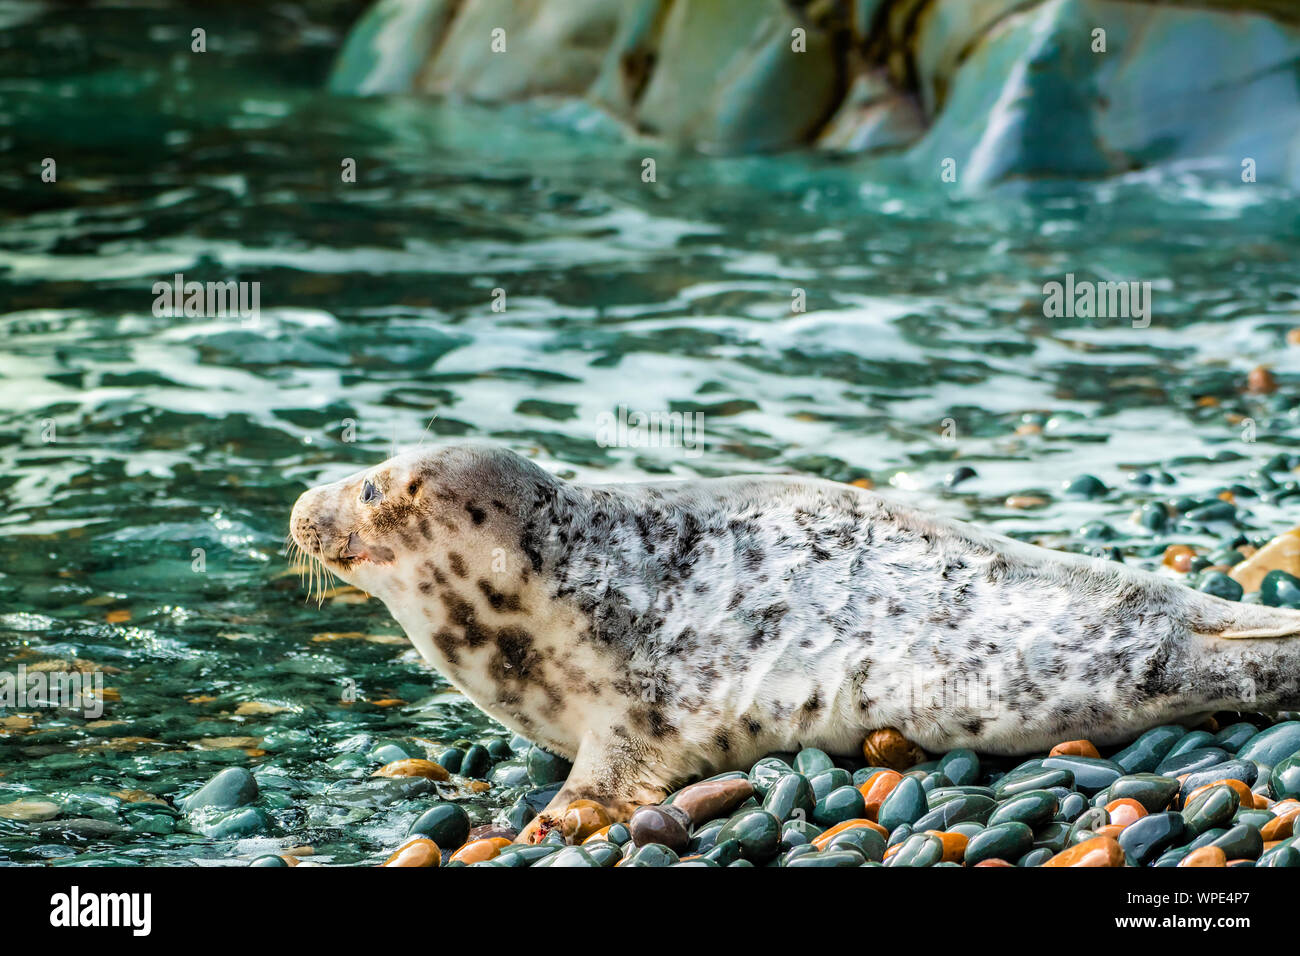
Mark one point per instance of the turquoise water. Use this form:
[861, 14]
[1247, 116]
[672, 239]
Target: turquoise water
[924, 346]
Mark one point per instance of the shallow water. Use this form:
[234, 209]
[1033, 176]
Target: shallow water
[129, 440]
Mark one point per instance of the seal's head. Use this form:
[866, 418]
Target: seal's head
[388, 528]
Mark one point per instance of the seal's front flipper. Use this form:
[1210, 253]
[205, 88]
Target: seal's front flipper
[613, 775]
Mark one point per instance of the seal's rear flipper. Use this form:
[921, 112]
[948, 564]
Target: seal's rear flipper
[1230, 620]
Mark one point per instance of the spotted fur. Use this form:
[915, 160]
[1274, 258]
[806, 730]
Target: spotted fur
[661, 631]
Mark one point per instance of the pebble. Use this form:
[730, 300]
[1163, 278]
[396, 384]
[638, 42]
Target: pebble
[420, 851]
[888, 747]
[665, 825]
[582, 818]
[480, 850]
[711, 799]
[232, 787]
[413, 767]
[1099, 851]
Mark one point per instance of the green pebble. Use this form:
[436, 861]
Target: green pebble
[446, 824]
[960, 766]
[1153, 791]
[758, 832]
[844, 803]
[767, 772]
[1033, 808]
[1143, 754]
[1211, 809]
[1270, 746]
[1006, 841]
[270, 859]
[1091, 774]
[919, 849]
[790, 797]
[1284, 781]
[1279, 589]
[1085, 486]
[477, 762]
[826, 859]
[812, 761]
[652, 854]
[906, 803]
[232, 787]
[828, 780]
[1220, 585]
[545, 768]
[1233, 737]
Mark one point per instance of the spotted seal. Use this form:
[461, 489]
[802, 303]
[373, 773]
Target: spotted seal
[663, 631]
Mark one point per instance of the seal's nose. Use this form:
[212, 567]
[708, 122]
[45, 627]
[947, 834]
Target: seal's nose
[304, 530]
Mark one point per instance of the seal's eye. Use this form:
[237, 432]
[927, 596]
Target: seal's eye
[369, 493]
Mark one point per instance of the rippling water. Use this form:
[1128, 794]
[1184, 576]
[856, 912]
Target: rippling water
[924, 345]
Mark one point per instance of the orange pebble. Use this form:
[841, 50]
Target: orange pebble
[1099, 851]
[1075, 748]
[823, 838]
[954, 845]
[1280, 827]
[1124, 811]
[413, 768]
[1261, 381]
[418, 852]
[993, 862]
[1244, 796]
[878, 786]
[1205, 856]
[1112, 830]
[1179, 557]
[479, 850]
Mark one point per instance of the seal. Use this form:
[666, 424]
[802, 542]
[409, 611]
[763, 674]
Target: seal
[660, 632]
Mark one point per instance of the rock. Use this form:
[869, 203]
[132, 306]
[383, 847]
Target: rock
[906, 803]
[477, 762]
[712, 799]
[1280, 554]
[1125, 811]
[1280, 589]
[545, 768]
[1099, 851]
[874, 791]
[1028, 95]
[665, 825]
[747, 90]
[1145, 839]
[582, 818]
[1284, 781]
[227, 825]
[961, 767]
[417, 852]
[1205, 856]
[446, 824]
[386, 49]
[1034, 808]
[232, 787]
[1075, 748]
[412, 767]
[29, 811]
[1004, 841]
[477, 851]
[887, 747]
[1270, 746]
[757, 831]
[842, 803]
